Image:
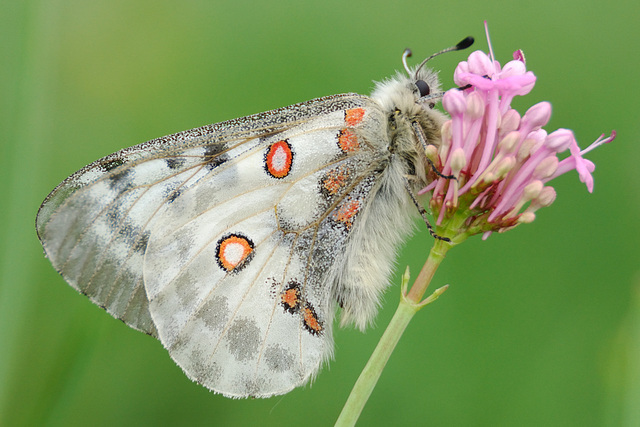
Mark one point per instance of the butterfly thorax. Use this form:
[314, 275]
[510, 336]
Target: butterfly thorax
[407, 114]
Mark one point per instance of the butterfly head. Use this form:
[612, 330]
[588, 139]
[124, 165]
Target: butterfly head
[408, 99]
[411, 94]
[417, 90]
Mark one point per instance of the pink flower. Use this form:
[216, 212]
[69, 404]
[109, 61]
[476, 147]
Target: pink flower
[502, 161]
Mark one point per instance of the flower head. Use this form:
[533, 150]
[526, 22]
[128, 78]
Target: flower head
[502, 161]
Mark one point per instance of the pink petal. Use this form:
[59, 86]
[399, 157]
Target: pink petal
[513, 68]
[518, 55]
[480, 64]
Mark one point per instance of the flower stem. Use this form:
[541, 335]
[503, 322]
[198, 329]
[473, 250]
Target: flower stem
[409, 305]
[436, 255]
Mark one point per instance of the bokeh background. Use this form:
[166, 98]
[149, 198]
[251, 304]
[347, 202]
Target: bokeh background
[541, 326]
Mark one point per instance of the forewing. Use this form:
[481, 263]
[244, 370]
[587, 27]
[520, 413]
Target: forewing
[94, 226]
[235, 269]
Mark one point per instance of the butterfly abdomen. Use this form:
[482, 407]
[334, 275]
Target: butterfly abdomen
[363, 273]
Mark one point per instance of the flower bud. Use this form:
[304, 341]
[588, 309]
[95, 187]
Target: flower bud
[431, 152]
[446, 139]
[508, 143]
[525, 149]
[546, 197]
[559, 140]
[532, 190]
[454, 102]
[538, 115]
[504, 166]
[458, 161]
[526, 218]
[546, 167]
[461, 70]
[510, 121]
[475, 106]
[513, 68]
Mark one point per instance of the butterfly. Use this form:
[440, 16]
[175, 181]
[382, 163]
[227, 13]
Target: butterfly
[235, 243]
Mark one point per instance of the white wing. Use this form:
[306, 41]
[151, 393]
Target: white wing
[221, 240]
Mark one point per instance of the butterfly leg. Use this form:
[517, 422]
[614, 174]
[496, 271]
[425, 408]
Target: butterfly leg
[417, 130]
[423, 211]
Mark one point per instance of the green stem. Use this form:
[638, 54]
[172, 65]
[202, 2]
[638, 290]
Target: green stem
[436, 255]
[408, 307]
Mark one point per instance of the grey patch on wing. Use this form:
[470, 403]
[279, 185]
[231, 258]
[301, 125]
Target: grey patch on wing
[204, 373]
[252, 387]
[243, 338]
[186, 290]
[183, 243]
[278, 358]
[215, 312]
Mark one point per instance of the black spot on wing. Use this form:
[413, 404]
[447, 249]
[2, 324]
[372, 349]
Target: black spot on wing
[112, 164]
[141, 243]
[175, 162]
[278, 359]
[121, 180]
[125, 229]
[129, 233]
[113, 216]
[173, 195]
[214, 156]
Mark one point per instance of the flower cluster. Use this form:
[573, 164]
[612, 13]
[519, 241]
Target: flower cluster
[501, 161]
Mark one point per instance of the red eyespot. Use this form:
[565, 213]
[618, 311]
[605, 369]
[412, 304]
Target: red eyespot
[233, 252]
[278, 159]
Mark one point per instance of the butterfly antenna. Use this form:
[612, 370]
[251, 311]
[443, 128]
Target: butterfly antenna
[461, 45]
[406, 54]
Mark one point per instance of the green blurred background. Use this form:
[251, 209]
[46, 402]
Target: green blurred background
[541, 326]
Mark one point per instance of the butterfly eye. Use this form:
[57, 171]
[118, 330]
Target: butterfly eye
[423, 88]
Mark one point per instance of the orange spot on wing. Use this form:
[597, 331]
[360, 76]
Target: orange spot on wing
[353, 116]
[291, 298]
[311, 321]
[335, 179]
[348, 141]
[346, 211]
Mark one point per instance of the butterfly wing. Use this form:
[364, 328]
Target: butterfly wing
[236, 267]
[219, 240]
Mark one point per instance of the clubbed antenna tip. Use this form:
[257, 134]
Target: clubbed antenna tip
[465, 43]
[461, 45]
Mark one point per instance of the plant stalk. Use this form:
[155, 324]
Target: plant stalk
[409, 305]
